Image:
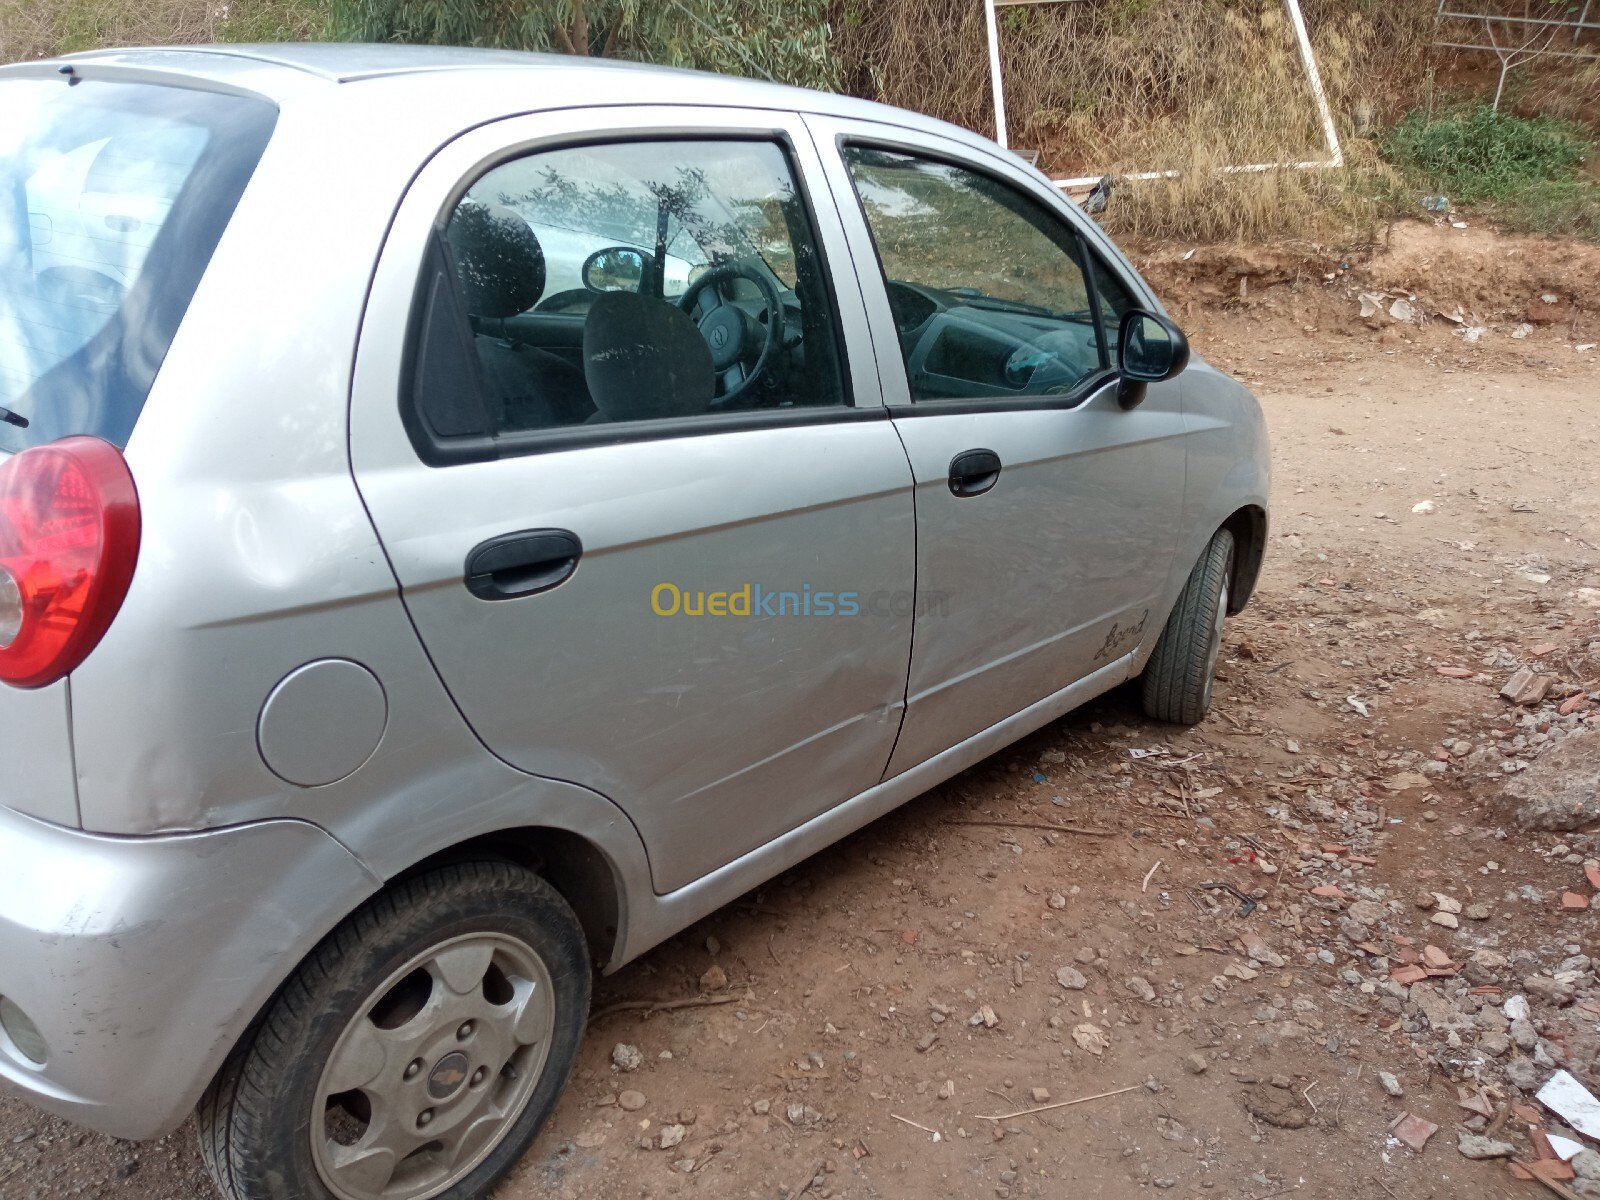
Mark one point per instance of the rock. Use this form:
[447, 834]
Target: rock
[1439, 1009]
[1262, 953]
[1423, 900]
[1091, 1038]
[1524, 1074]
[1524, 1034]
[761, 1107]
[1140, 987]
[1476, 912]
[1552, 991]
[1474, 1145]
[1195, 1063]
[1560, 790]
[631, 1101]
[947, 1089]
[926, 1041]
[1276, 1107]
[626, 1058]
[1072, 979]
[1447, 904]
[1586, 1164]
[1369, 912]
[714, 980]
[1391, 1085]
[1495, 1045]
[1515, 1007]
[1040, 1095]
[1448, 920]
[1170, 1130]
[673, 1135]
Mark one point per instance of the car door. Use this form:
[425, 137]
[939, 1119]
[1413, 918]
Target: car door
[1047, 514]
[650, 575]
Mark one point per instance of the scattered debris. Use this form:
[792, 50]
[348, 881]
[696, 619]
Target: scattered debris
[1572, 1102]
[1412, 1130]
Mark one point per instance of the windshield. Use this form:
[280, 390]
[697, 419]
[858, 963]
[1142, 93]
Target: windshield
[112, 198]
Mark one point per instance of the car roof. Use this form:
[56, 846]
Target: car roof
[541, 81]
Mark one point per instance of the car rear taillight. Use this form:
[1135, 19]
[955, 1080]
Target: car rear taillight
[69, 539]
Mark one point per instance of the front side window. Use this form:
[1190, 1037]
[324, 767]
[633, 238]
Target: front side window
[112, 198]
[646, 281]
[988, 288]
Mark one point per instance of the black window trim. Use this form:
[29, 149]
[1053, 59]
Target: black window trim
[436, 451]
[1092, 261]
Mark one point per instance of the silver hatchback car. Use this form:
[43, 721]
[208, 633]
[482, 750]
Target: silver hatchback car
[464, 516]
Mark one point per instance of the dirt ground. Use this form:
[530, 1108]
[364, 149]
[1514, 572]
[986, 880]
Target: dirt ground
[892, 1000]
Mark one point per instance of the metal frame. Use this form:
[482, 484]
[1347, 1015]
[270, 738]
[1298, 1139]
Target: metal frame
[1445, 13]
[1308, 58]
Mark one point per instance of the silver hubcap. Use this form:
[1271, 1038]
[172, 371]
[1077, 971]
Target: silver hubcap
[1214, 650]
[434, 1071]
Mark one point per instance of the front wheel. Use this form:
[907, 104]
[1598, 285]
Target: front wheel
[415, 1054]
[1182, 671]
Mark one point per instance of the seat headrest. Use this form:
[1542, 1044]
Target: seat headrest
[500, 261]
[645, 360]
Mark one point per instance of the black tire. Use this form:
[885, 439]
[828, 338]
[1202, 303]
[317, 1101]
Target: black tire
[1179, 676]
[256, 1119]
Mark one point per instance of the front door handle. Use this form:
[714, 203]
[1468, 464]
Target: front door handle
[522, 564]
[974, 472]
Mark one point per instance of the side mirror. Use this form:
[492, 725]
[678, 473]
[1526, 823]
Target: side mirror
[616, 269]
[1150, 349]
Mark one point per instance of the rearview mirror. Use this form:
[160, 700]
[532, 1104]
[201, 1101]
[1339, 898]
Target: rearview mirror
[616, 269]
[1150, 349]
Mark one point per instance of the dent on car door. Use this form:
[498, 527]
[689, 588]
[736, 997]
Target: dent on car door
[651, 576]
[1046, 514]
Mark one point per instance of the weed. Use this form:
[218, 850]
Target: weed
[1480, 154]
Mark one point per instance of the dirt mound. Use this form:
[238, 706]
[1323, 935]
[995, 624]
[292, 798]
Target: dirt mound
[1227, 274]
[1474, 279]
[1489, 275]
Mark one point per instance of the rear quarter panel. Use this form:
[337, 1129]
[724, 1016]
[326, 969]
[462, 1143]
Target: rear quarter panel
[36, 769]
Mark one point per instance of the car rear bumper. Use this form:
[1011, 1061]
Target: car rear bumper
[141, 961]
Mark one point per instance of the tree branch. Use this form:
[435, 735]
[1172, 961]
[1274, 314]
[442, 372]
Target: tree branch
[580, 28]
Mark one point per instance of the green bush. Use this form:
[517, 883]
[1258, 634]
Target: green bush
[1480, 154]
[1569, 206]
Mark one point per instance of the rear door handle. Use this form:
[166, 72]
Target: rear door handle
[974, 472]
[522, 564]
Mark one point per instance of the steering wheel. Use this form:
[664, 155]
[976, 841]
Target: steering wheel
[732, 333]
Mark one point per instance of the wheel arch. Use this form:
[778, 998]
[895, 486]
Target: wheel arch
[576, 867]
[1249, 528]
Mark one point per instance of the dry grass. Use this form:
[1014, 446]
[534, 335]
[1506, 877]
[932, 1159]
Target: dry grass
[1187, 85]
[40, 28]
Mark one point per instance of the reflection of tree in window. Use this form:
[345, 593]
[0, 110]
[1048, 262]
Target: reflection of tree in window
[945, 227]
[706, 224]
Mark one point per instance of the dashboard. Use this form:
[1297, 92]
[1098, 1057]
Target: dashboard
[963, 345]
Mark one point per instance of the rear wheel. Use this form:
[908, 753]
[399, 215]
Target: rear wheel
[417, 1052]
[1182, 671]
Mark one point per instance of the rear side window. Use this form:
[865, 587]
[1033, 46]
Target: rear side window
[112, 198]
[627, 284]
